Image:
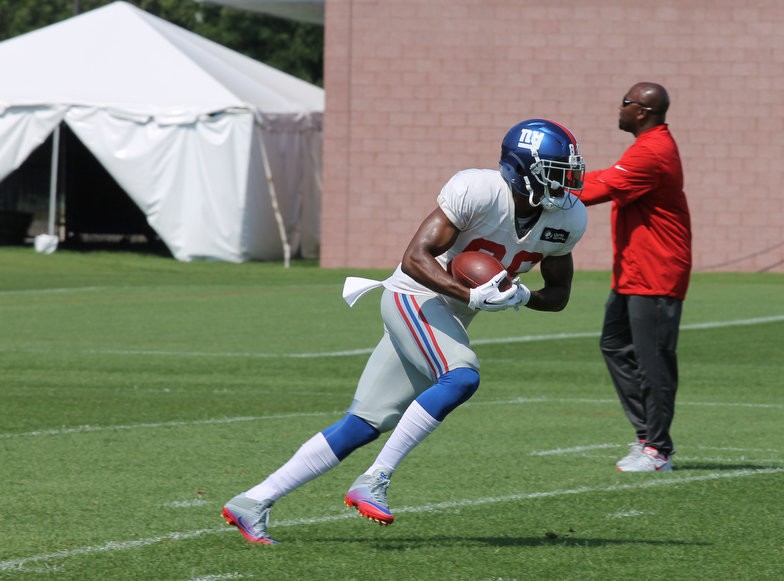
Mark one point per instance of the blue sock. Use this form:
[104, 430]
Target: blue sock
[452, 389]
[348, 434]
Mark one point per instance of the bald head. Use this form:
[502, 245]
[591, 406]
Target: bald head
[652, 95]
[644, 106]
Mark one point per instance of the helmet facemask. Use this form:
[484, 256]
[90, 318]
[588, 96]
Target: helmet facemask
[557, 178]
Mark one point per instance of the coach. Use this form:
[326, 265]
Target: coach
[651, 235]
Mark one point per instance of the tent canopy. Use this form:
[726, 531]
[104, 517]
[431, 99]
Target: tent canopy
[120, 56]
[207, 142]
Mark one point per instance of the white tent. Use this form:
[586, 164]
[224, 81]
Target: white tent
[222, 153]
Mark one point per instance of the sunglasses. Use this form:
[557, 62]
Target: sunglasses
[626, 102]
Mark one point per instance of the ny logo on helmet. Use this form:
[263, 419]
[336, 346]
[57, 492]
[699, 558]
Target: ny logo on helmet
[530, 139]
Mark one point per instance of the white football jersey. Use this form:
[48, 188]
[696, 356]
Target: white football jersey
[479, 202]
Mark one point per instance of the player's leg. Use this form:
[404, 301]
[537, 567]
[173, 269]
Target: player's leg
[249, 511]
[428, 336]
[319, 454]
[425, 414]
[389, 383]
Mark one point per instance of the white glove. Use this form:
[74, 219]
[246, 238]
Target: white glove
[522, 295]
[488, 298]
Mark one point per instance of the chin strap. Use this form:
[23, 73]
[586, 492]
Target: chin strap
[536, 169]
[545, 201]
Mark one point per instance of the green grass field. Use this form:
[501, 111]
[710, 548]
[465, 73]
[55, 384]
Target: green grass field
[138, 394]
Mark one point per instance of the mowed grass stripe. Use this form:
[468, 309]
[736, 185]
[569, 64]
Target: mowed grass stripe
[113, 546]
[219, 421]
[368, 350]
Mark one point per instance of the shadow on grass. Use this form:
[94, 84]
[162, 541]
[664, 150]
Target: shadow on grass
[547, 540]
[715, 466]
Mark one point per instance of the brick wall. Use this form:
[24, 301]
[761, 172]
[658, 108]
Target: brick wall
[419, 89]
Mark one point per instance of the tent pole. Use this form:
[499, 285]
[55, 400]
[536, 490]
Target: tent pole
[53, 179]
[275, 206]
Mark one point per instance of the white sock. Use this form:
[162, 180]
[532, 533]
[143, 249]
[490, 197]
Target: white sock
[415, 425]
[313, 458]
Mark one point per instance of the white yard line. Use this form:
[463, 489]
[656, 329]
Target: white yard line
[186, 503]
[219, 421]
[19, 564]
[52, 291]
[491, 341]
[519, 400]
[592, 447]
[222, 577]
[149, 426]
[368, 350]
[574, 450]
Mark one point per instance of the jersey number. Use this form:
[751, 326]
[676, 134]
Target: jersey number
[498, 251]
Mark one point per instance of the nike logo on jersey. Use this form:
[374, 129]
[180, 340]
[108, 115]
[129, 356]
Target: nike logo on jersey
[618, 167]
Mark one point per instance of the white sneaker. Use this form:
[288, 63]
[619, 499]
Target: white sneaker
[650, 460]
[635, 449]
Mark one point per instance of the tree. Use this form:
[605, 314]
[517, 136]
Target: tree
[296, 48]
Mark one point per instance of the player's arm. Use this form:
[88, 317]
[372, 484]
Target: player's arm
[557, 272]
[435, 235]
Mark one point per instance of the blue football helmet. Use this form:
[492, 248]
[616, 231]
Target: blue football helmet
[541, 159]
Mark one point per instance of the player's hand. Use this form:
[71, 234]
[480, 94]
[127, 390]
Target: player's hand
[522, 294]
[488, 297]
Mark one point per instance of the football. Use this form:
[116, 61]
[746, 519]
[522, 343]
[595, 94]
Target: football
[473, 268]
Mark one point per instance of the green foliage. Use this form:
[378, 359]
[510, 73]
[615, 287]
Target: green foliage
[293, 47]
[140, 393]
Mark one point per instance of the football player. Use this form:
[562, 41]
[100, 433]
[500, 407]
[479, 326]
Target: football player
[525, 213]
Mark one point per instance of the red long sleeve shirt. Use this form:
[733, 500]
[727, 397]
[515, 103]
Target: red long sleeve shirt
[651, 230]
